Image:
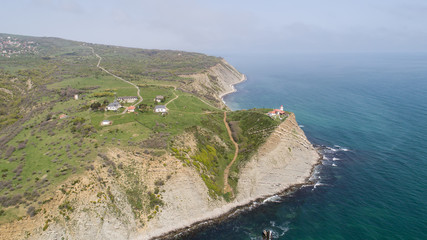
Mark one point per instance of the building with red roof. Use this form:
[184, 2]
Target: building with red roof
[131, 109]
[277, 112]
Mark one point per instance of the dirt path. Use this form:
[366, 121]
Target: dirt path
[227, 187]
[103, 69]
[176, 96]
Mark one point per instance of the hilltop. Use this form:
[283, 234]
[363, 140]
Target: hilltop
[106, 141]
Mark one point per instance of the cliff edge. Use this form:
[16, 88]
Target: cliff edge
[285, 159]
[215, 82]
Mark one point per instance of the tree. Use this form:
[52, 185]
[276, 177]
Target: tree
[95, 106]
[143, 107]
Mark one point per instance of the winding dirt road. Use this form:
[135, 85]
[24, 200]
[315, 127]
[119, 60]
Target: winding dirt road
[227, 187]
[126, 81]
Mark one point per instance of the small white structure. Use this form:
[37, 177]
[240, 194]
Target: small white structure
[129, 99]
[160, 109]
[114, 106]
[159, 98]
[105, 123]
[76, 97]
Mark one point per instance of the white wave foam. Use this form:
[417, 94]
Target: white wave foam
[301, 126]
[318, 184]
[325, 158]
[336, 159]
[336, 148]
[284, 228]
[274, 198]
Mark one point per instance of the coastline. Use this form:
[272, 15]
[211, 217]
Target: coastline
[233, 89]
[237, 209]
[243, 203]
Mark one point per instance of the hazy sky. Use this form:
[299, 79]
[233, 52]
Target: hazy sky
[233, 26]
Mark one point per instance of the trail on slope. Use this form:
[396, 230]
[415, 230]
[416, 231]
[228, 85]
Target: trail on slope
[105, 70]
[176, 96]
[227, 187]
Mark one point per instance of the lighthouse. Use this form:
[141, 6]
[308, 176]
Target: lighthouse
[281, 107]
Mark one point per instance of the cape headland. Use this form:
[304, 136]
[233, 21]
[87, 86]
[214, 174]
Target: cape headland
[175, 158]
[285, 160]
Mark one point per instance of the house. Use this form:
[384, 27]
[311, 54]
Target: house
[277, 112]
[63, 116]
[106, 122]
[159, 98]
[76, 97]
[131, 109]
[129, 99]
[160, 109]
[114, 106]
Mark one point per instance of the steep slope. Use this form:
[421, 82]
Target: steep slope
[214, 83]
[285, 159]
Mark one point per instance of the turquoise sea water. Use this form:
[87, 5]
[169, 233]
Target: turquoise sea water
[374, 106]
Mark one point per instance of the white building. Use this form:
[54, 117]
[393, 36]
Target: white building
[105, 123]
[159, 98]
[114, 106]
[160, 109]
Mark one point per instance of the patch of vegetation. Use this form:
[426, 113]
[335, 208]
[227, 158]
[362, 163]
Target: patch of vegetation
[66, 206]
[250, 129]
[154, 200]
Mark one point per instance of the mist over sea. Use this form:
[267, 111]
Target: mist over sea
[368, 112]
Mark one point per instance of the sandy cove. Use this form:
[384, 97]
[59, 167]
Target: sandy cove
[285, 160]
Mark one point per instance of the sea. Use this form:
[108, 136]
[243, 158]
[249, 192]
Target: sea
[367, 114]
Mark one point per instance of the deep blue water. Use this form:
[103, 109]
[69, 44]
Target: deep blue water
[375, 105]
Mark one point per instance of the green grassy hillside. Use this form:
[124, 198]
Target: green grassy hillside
[47, 136]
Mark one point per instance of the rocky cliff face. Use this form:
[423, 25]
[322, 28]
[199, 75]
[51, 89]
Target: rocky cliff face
[214, 83]
[285, 159]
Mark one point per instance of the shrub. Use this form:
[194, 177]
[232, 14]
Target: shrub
[31, 211]
[22, 144]
[66, 206]
[159, 182]
[95, 106]
[9, 152]
[10, 201]
[154, 200]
